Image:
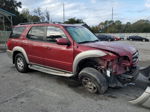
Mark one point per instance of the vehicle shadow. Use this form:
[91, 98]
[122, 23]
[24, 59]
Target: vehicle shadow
[128, 92]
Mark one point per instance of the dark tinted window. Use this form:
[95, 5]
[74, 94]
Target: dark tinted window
[53, 33]
[37, 33]
[16, 32]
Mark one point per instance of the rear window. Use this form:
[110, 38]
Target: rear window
[16, 32]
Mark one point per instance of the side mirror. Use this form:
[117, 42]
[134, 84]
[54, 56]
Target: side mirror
[62, 41]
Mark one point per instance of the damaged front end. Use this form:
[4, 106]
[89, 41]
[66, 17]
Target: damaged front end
[120, 70]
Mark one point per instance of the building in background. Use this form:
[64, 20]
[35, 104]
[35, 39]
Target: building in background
[5, 19]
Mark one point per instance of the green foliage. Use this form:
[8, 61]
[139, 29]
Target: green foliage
[11, 6]
[94, 29]
[73, 21]
[27, 17]
[140, 26]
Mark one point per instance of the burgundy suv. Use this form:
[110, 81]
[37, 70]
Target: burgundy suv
[72, 51]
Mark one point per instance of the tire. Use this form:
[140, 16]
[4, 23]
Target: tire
[144, 40]
[20, 63]
[130, 39]
[93, 81]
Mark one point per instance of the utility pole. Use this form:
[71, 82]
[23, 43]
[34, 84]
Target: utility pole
[63, 12]
[112, 14]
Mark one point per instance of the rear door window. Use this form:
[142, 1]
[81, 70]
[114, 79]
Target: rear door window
[37, 33]
[16, 32]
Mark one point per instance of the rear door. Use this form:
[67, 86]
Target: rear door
[35, 43]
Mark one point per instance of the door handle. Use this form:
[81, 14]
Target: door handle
[47, 47]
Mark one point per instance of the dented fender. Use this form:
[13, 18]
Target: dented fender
[85, 55]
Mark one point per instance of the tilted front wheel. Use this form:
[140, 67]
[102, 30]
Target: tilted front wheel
[93, 81]
[89, 84]
[20, 63]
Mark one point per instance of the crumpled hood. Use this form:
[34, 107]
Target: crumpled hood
[116, 47]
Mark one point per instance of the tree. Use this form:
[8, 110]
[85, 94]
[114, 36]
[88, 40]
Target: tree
[12, 6]
[95, 29]
[47, 15]
[28, 17]
[73, 21]
[38, 12]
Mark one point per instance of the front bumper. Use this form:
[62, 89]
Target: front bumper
[129, 76]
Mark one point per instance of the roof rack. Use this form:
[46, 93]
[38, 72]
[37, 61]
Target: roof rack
[33, 23]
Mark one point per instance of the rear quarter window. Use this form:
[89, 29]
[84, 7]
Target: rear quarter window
[16, 32]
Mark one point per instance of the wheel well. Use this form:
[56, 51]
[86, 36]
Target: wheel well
[14, 54]
[89, 62]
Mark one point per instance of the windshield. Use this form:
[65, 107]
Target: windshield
[81, 34]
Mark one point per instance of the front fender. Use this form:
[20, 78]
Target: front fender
[85, 55]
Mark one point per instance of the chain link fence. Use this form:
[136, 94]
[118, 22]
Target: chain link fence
[4, 35]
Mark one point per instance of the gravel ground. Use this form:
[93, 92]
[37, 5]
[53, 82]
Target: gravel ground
[40, 92]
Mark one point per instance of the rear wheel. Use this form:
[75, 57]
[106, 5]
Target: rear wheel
[20, 63]
[93, 81]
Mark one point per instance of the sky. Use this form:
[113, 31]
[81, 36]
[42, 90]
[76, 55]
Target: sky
[93, 11]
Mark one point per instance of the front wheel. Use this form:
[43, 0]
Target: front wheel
[20, 63]
[93, 81]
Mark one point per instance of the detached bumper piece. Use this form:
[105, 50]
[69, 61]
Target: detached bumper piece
[146, 72]
[144, 99]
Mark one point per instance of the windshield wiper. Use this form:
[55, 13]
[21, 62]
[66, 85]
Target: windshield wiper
[95, 41]
[88, 41]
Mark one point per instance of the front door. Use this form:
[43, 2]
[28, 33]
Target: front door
[57, 56]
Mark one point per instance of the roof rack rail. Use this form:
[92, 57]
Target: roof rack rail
[33, 23]
[57, 22]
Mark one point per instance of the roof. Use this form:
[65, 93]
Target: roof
[46, 24]
[5, 13]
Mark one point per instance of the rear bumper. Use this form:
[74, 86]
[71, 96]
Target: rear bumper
[9, 53]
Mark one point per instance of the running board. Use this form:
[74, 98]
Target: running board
[50, 71]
